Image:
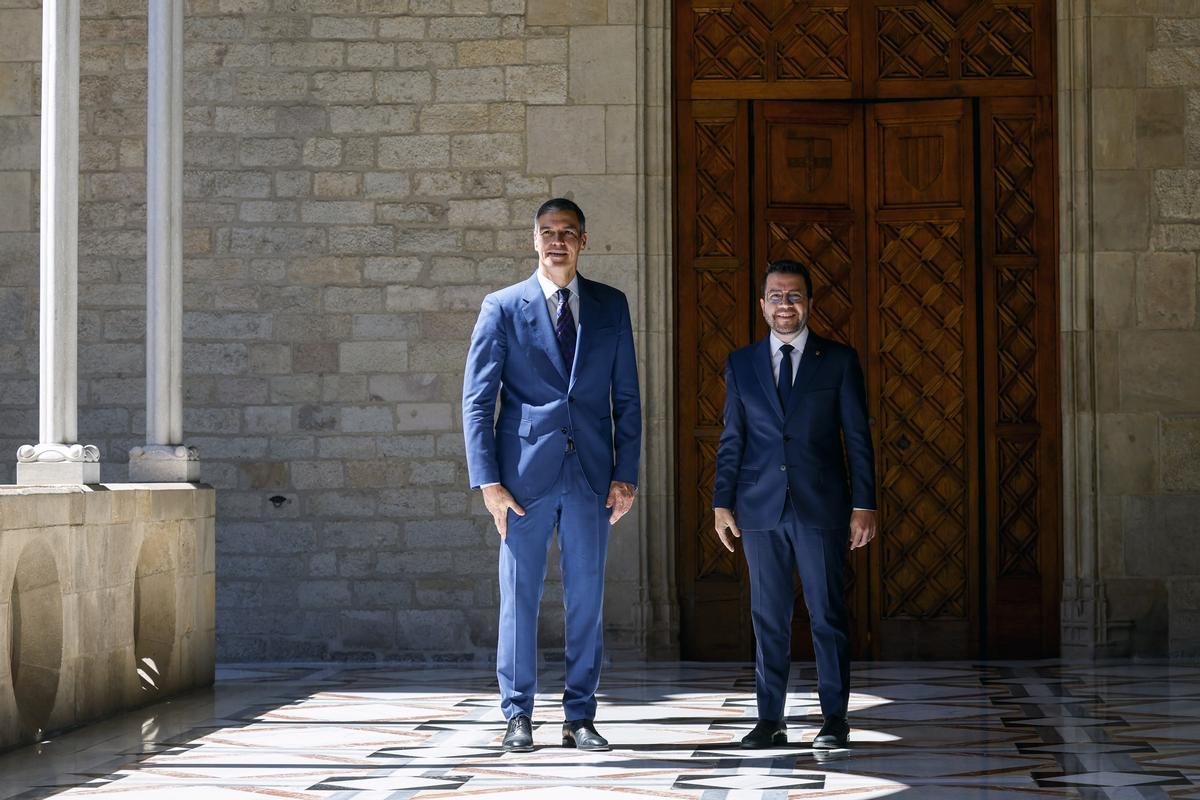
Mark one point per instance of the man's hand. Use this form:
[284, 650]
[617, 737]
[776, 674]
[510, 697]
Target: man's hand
[862, 528]
[620, 500]
[498, 501]
[725, 525]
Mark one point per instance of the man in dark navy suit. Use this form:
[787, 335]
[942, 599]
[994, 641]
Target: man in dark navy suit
[781, 485]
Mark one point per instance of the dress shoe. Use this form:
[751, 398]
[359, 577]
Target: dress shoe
[519, 736]
[833, 734]
[765, 734]
[582, 733]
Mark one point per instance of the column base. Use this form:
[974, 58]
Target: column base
[49, 464]
[164, 463]
[1087, 630]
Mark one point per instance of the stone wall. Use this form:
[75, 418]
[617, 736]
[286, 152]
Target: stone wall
[1132, 193]
[106, 601]
[359, 173]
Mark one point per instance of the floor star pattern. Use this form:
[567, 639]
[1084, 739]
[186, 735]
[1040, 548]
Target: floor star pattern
[933, 731]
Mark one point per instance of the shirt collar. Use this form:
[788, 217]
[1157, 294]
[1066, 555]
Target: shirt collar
[797, 343]
[549, 288]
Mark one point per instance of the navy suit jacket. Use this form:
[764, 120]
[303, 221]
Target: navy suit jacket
[767, 450]
[543, 402]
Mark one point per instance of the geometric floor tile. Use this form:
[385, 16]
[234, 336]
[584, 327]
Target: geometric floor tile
[919, 731]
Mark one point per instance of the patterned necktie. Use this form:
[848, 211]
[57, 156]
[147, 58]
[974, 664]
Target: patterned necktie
[564, 327]
[785, 374]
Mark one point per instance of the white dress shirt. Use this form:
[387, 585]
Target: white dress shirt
[550, 289]
[777, 356]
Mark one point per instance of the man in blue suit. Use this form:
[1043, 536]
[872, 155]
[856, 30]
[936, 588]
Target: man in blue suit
[781, 484]
[562, 454]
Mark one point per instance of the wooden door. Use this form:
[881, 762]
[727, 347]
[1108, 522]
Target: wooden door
[930, 227]
[923, 374]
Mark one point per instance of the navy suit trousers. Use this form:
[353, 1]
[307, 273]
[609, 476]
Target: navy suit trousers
[819, 556]
[579, 516]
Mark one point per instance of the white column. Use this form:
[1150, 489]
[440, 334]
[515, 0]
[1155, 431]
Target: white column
[57, 457]
[164, 457]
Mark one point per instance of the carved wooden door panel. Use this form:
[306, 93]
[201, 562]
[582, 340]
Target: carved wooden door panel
[923, 371]
[809, 206]
[715, 302]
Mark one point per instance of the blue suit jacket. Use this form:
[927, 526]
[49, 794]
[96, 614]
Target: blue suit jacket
[765, 449]
[597, 403]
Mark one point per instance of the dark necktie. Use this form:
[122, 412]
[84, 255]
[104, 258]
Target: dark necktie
[785, 374]
[564, 327]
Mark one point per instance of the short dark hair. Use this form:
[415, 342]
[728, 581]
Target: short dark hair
[787, 267]
[560, 204]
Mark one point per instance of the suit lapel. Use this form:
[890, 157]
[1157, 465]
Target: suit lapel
[590, 319]
[766, 375]
[535, 311]
[810, 362]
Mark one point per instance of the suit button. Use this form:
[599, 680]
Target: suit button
[787, 438]
[783, 467]
[563, 430]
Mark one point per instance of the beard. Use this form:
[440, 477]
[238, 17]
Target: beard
[787, 326]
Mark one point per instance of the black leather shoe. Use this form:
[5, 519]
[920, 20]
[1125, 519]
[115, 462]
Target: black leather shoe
[765, 734]
[519, 736]
[833, 734]
[582, 733]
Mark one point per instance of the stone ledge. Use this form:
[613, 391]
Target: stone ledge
[106, 601]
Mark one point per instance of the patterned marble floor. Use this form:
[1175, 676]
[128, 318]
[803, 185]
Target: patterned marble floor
[953, 731]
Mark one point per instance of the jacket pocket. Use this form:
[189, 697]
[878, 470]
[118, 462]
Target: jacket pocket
[748, 476]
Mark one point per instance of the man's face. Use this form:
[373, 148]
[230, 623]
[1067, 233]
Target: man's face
[558, 240]
[785, 303]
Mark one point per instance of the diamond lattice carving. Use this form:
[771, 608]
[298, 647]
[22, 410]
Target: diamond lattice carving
[825, 247]
[913, 43]
[1012, 139]
[1000, 45]
[716, 321]
[1016, 310]
[727, 47]
[716, 217]
[713, 558]
[1018, 508]
[923, 490]
[816, 46]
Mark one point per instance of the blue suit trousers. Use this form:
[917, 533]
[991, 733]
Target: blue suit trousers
[579, 515]
[819, 555]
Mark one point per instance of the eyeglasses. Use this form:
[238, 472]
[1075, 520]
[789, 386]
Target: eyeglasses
[792, 298]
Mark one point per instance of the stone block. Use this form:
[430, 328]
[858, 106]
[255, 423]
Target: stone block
[375, 55]
[1153, 527]
[16, 89]
[484, 213]
[367, 419]
[610, 203]
[1172, 66]
[423, 416]
[553, 13]
[469, 85]
[420, 151]
[490, 52]
[1124, 41]
[402, 28]
[1113, 129]
[454, 118]
[370, 357]
[1160, 117]
[307, 54]
[488, 150]
[343, 28]
[373, 118]
[21, 35]
[1166, 291]
[1128, 453]
[565, 140]
[1121, 209]
[457, 28]
[603, 65]
[537, 85]
[1152, 377]
[1179, 465]
[1177, 192]
[1114, 275]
